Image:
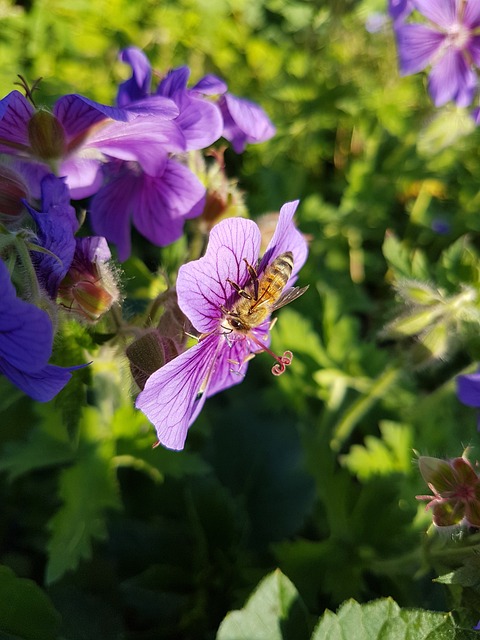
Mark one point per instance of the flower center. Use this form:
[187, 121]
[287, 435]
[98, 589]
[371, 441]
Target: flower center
[458, 36]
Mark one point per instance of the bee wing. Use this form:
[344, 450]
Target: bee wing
[289, 295]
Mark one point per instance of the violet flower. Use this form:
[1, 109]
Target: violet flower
[468, 390]
[26, 338]
[208, 292]
[398, 10]
[450, 44]
[77, 136]
[56, 226]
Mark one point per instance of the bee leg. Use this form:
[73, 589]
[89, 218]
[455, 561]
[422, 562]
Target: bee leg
[239, 290]
[252, 272]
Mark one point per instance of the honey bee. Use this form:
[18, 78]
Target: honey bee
[262, 295]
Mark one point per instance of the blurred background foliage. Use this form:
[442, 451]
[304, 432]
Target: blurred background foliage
[312, 472]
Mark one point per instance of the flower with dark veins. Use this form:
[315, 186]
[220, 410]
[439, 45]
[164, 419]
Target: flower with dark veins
[229, 302]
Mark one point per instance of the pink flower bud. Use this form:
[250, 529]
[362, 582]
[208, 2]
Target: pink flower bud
[148, 353]
[12, 191]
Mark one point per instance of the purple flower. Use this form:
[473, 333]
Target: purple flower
[26, 338]
[399, 9]
[56, 226]
[210, 291]
[468, 389]
[78, 135]
[449, 43]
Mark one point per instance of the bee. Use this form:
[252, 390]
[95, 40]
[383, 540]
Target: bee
[262, 295]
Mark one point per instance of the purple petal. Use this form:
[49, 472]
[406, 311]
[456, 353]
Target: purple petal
[111, 208]
[138, 86]
[157, 106]
[83, 176]
[171, 399]
[244, 122]
[399, 9]
[202, 285]
[231, 364]
[78, 114]
[200, 121]
[441, 12]
[161, 205]
[287, 238]
[474, 49]
[33, 174]
[452, 79]
[468, 389]
[210, 85]
[471, 14]
[145, 140]
[26, 333]
[92, 249]
[15, 114]
[56, 226]
[42, 385]
[175, 81]
[417, 45]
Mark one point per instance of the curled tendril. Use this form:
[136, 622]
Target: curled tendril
[283, 362]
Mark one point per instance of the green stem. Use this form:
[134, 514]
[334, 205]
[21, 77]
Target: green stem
[358, 409]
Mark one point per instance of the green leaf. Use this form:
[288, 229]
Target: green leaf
[382, 456]
[273, 612]
[25, 610]
[87, 489]
[384, 620]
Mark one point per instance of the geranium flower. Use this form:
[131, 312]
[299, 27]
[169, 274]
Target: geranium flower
[399, 9]
[209, 290]
[449, 43]
[76, 137]
[56, 226]
[26, 338]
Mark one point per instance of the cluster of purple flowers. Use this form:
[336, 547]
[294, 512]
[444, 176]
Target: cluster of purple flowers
[129, 165]
[448, 43]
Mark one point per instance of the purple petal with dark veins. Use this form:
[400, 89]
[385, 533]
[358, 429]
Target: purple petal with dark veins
[56, 226]
[111, 208]
[417, 45]
[173, 396]
[202, 285]
[201, 121]
[83, 176]
[161, 205]
[26, 333]
[42, 385]
[441, 12]
[286, 238]
[15, 114]
[451, 78]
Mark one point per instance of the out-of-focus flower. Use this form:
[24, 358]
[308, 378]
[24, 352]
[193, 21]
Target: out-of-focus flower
[211, 291]
[26, 338]
[456, 491]
[398, 10]
[89, 288]
[56, 225]
[468, 390]
[449, 43]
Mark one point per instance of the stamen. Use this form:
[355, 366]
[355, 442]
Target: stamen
[282, 361]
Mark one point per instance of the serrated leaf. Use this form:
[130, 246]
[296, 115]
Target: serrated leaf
[273, 612]
[25, 610]
[384, 620]
[86, 489]
[382, 456]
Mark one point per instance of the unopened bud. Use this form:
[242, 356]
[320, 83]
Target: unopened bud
[46, 135]
[12, 192]
[89, 289]
[148, 353]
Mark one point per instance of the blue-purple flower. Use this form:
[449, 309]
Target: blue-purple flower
[468, 390]
[208, 290]
[398, 10]
[26, 338]
[449, 44]
[56, 225]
